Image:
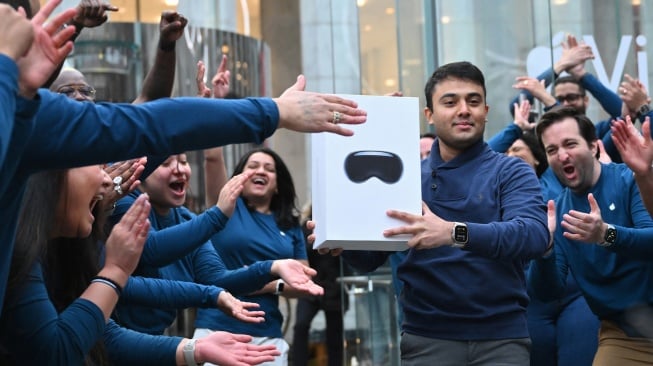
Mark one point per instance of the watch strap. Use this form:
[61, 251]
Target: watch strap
[189, 352]
[280, 286]
[609, 237]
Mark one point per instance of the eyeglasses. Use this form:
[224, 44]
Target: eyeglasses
[569, 98]
[83, 90]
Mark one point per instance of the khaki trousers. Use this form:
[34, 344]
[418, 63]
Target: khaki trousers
[617, 349]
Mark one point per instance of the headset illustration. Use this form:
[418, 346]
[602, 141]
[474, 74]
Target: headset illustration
[363, 165]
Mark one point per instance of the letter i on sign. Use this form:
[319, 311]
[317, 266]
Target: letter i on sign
[642, 61]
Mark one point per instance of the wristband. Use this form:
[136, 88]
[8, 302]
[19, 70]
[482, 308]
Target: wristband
[189, 352]
[109, 282]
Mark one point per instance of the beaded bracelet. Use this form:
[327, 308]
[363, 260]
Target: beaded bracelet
[109, 282]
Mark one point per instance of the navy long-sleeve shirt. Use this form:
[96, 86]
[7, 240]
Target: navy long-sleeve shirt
[478, 293]
[614, 280]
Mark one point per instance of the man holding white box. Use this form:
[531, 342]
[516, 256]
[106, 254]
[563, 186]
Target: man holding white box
[464, 296]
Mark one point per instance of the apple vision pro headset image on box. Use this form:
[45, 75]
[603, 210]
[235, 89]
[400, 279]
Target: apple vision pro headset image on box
[363, 165]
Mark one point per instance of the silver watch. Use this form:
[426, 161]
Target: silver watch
[459, 235]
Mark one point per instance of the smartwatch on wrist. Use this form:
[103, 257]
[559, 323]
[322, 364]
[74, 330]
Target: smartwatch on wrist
[189, 352]
[610, 236]
[459, 235]
[643, 111]
[280, 286]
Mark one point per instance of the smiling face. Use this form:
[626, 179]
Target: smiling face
[459, 113]
[262, 186]
[83, 189]
[167, 185]
[570, 156]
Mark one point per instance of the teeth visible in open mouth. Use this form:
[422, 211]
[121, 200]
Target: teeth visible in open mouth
[177, 186]
[259, 180]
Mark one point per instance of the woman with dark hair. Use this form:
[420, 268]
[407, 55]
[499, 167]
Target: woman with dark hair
[59, 300]
[178, 248]
[264, 226]
[527, 148]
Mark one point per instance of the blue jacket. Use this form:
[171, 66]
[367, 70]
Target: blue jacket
[616, 279]
[478, 293]
[52, 131]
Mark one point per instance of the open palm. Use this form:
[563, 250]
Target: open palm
[50, 47]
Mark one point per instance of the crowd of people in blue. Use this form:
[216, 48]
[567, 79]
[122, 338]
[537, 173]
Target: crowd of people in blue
[533, 248]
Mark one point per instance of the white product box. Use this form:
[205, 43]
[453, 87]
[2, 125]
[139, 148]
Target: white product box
[356, 179]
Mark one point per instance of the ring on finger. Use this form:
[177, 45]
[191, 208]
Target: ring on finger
[117, 181]
[336, 117]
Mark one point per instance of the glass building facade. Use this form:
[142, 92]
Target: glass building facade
[367, 47]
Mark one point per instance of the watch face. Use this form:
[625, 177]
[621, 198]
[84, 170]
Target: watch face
[460, 234]
[644, 109]
[610, 235]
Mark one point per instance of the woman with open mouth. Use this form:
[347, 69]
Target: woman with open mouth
[178, 248]
[264, 226]
[59, 299]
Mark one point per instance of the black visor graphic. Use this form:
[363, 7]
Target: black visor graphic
[363, 165]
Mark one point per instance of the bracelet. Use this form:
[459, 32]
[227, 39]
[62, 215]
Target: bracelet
[109, 282]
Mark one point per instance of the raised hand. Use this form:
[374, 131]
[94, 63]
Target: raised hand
[635, 150]
[227, 349]
[573, 57]
[221, 79]
[239, 309]
[428, 230]
[536, 88]
[92, 13]
[50, 47]
[202, 90]
[584, 227]
[604, 157]
[125, 243]
[522, 112]
[129, 171]
[171, 28]
[633, 93]
[231, 191]
[315, 112]
[16, 32]
[297, 276]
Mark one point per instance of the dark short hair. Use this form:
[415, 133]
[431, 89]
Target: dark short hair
[456, 70]
[555, 115]
[283, 202]
[430, 135]
[569, 80]
[530, 140]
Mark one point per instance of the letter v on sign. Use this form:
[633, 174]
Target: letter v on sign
[619, 64]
